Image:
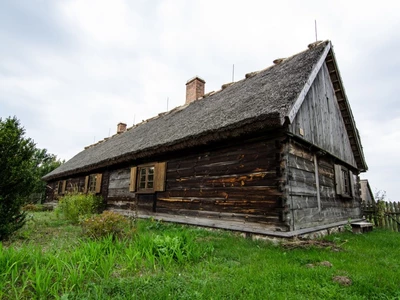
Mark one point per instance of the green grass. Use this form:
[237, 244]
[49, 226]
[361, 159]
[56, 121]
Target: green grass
[50, 259]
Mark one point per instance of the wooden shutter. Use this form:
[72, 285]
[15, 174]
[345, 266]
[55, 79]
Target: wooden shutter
[57, 190]
[85, 189]
[338, 179]
[352, 186]
[98, 183]
[64, 184]
[159, 176]
[132, 183]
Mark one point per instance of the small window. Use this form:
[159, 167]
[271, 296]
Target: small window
[61, 187]
[93, 183]
[344, 182]
[148, 178]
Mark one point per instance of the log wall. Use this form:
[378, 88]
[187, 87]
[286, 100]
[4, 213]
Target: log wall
[119, 196]
[302, 190]
[234, 183]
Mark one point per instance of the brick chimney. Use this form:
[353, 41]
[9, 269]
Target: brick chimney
[121, 127]
[194, 89]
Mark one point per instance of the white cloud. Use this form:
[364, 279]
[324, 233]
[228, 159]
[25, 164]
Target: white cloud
[110, 24]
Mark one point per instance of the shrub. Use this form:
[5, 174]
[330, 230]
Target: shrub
[34, 207]
[166, 249]
[108, 223]
[75, 206]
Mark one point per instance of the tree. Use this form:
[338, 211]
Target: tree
[17, 173]
[44, 163]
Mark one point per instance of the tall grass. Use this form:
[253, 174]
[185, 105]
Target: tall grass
[166, 261]
[75, 206]
[29, 271]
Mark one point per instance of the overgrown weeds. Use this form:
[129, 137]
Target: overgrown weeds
[107, 223]
[75, 206]
[169, 261]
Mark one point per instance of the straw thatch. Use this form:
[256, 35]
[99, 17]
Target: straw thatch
[260, 101]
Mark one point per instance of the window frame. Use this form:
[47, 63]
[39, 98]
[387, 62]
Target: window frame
[61, 187]
[93, 183]
[159, 178]
[344, 182]
[146, 189]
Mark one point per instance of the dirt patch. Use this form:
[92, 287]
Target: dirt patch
[342, 280]
[304, 244]
[322, 264]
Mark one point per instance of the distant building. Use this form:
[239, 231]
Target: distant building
[366, 192]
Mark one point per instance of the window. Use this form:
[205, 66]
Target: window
[344, 182]
[148, 178]
[93, 183]
[60, 188]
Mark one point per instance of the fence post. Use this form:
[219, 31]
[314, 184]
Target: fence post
[397, 215]
[380, 213]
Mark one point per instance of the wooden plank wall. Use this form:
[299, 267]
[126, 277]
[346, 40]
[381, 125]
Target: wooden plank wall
[119, 196]
[319, 120]
[233, 183]
[302, 197]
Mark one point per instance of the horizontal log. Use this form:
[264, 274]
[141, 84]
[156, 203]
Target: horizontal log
[222, 202]
[300, 163]
[231, 153]
[117, 205]
[261, 219]
[223, 169]
[249, 190]
[324, 171]
[121, 192]
[296, 175]
[211, 193]
[303, 202]
[327, 182]
[114, 199]
[299, 151]
[302, 191]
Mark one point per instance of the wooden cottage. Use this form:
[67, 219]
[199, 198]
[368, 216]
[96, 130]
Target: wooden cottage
[366, 192]
[277, 153]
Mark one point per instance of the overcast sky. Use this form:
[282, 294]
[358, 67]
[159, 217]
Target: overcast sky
[71, 70]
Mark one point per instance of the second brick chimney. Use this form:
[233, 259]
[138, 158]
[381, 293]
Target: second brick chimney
[121, 127]
[194, 89]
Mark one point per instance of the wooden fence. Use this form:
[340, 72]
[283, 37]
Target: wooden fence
[383, 214]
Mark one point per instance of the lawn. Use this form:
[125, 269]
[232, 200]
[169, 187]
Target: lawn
[50, 259]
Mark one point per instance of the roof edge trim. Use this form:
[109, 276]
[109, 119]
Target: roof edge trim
[302, 95]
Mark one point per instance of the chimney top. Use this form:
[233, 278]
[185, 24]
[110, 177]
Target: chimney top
[194, 89]
[121, 127]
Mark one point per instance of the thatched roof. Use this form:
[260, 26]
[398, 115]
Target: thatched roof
[263, 100]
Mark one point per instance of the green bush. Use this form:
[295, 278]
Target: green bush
[108, 223]
[73, 207]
